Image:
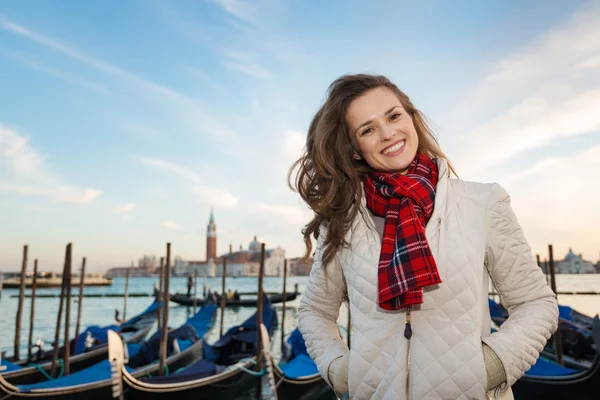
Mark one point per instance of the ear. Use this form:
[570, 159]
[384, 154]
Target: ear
[356, 156]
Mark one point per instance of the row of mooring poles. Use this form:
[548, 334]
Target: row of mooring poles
[65, 292]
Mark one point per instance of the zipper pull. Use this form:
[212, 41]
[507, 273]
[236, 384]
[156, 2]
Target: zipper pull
[408, 327]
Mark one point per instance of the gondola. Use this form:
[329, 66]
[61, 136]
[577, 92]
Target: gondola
[184, 346]
[188, 301]
[89, 348]
[227, 369]
[547, 380]
[297, 376]
[576, 336]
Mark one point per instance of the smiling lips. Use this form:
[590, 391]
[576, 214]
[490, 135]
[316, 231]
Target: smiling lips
[394, 149]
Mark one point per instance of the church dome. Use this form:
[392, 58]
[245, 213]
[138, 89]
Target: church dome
[255, 245]
[570, 255]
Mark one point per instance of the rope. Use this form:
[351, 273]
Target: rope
[253, 373]
[46, 375]
[248, 371]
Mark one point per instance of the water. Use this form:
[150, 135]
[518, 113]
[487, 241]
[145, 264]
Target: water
[100, 311]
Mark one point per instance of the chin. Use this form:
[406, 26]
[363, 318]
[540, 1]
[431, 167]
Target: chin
[398, 166]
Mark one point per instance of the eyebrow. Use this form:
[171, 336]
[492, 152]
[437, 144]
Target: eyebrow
[369, 121]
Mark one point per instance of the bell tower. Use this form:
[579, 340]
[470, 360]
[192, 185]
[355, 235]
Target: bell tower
[211, 238]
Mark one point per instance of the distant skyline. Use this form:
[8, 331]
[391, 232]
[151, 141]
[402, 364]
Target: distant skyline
[123, 123]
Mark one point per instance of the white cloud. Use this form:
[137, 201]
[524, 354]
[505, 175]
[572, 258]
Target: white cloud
[240, 9]
[138, 129]
[171, 226]
[293, 143]
[216, 197]
[30, 175]
[286, 214]
[124, 210]
[542, 93]
[62, 75]
[535, 122]
[183, 108]
[247, 64]
[556, 201]
[175, 168]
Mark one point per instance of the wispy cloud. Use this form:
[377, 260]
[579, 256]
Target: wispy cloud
[137, 128]
[240, 9]
[293, 143]
[535, 122]
[293, 215]
[171, 226]
[29, 174]
[217, 197]
[206, 193]
[187, 109]
[64, 76]
[543, 92]
[247, 63]
[174, 168]
[197, 72]
[124, 210]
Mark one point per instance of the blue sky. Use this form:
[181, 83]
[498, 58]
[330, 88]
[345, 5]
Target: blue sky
[123, 123]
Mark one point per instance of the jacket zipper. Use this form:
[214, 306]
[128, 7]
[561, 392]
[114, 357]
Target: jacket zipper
[408, 336]
[408, 327]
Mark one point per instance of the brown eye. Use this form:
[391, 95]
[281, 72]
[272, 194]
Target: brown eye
[366, 131]
[395, 116]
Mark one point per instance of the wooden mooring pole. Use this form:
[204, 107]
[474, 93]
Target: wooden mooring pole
[32, 311]
[67, 341]
[165, 321]
[79, 304]
[20, 306]
[195, 290]
[223, 296]
[259, 321]
[58, 319]
[159, 299]
[557, 335]
[285, 268]
[126, 292]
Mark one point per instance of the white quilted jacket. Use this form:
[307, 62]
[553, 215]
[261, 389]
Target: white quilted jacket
[473, 232]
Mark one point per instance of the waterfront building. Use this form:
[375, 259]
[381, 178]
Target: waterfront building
[574, 264]
[245, 262]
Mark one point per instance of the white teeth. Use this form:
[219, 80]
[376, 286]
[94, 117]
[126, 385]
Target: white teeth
[394, 148]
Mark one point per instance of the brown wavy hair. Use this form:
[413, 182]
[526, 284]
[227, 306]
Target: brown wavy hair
[329, 178]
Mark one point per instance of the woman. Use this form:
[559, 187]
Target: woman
[412, 251]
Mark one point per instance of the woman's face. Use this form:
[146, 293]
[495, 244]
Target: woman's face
[385, 133]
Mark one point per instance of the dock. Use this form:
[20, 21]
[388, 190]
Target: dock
[55, 282]
[57, 295]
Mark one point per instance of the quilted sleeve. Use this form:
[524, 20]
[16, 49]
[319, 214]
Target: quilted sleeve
[532, 306]
[318, 312]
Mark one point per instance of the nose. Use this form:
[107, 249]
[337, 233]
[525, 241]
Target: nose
[386, 132]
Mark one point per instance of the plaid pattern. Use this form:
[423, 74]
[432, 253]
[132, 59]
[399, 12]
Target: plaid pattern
[406, 264]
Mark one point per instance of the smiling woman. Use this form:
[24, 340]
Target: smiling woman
[412, 251]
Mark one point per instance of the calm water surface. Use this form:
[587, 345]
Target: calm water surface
[100, 311]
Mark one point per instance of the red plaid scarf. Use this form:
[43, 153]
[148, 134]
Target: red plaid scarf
[406, 264]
